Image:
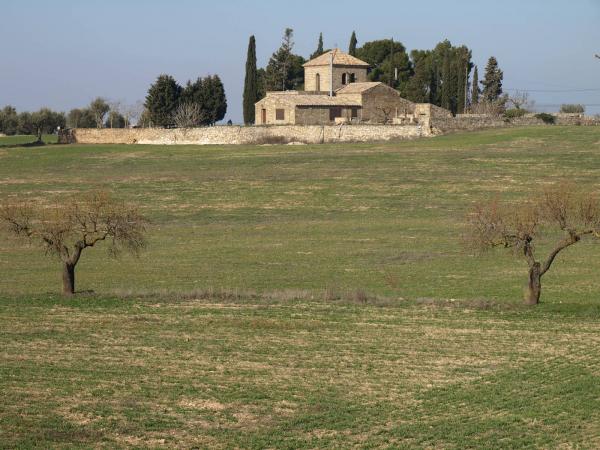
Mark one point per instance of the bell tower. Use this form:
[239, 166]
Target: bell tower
[333, 70]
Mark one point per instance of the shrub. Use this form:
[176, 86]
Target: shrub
[548, 119]
[572, 109]
[514, 113]
[271, 140]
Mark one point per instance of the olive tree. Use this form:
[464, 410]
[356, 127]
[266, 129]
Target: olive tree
[68, 228]
[561, 209]
[99, 108]
[45, 121]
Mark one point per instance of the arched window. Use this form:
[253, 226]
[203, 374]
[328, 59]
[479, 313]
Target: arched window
[344, 78]
[318, 82]
[352, 78]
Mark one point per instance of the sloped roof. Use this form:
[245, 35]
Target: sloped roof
[358, 88]
[296, 99]
[323, 100]
[339, 59]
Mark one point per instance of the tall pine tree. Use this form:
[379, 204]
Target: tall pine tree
[250, 83]
[492, 82]
[319, 50]
[352, 46]
[475, 88]
[285, 70]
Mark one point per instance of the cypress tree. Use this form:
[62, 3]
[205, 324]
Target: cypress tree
[319, 50]
[434, 83]
[463, 58]
[492, 82]
[352, 46]
[475, 88]
[250, 83]
[460, 87]
[446, 94]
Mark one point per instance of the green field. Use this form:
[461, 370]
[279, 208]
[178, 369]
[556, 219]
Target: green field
[24, 140]
[302, 296]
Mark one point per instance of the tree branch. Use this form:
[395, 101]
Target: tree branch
[572, 239]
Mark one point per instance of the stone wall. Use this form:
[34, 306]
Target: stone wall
[472, 122]
[236, 135]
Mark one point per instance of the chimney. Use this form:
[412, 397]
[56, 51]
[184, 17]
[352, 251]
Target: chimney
[331, 73]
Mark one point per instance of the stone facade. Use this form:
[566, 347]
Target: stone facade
[333, 67]
[381, 103]
[292, 107]
[318, 78]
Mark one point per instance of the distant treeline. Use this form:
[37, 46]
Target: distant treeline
[167, 104]
[198, 103]
[44, 121]
[98, 114]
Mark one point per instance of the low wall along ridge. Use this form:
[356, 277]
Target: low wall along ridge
[310, 134]
[237, 135]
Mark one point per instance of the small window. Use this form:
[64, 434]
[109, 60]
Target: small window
[334, 113]
[280, 114]
[352, 78]
[344, 78]
[354, 113]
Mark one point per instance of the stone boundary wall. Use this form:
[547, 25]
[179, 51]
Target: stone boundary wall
[309, 134]
[467, 122]
[238, 135]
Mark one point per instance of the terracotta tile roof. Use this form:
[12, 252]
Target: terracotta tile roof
[357, 88]
[339, 59]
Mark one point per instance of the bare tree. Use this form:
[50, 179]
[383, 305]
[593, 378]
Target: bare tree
[115, 107]
[571, 212]
[490, 108]
[521, 100]
[188, 115]
[132, 113]
[67, 229]
[386, 113]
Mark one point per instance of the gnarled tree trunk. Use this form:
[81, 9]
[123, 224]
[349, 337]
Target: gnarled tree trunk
[534, 287]
[68, 279]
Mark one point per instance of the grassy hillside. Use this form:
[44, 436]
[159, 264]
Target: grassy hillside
[302, 297]
[383, 218]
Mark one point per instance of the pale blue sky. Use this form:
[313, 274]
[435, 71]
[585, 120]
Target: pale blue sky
[62, 53]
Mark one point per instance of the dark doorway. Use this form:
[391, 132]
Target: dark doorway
[335, 112]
